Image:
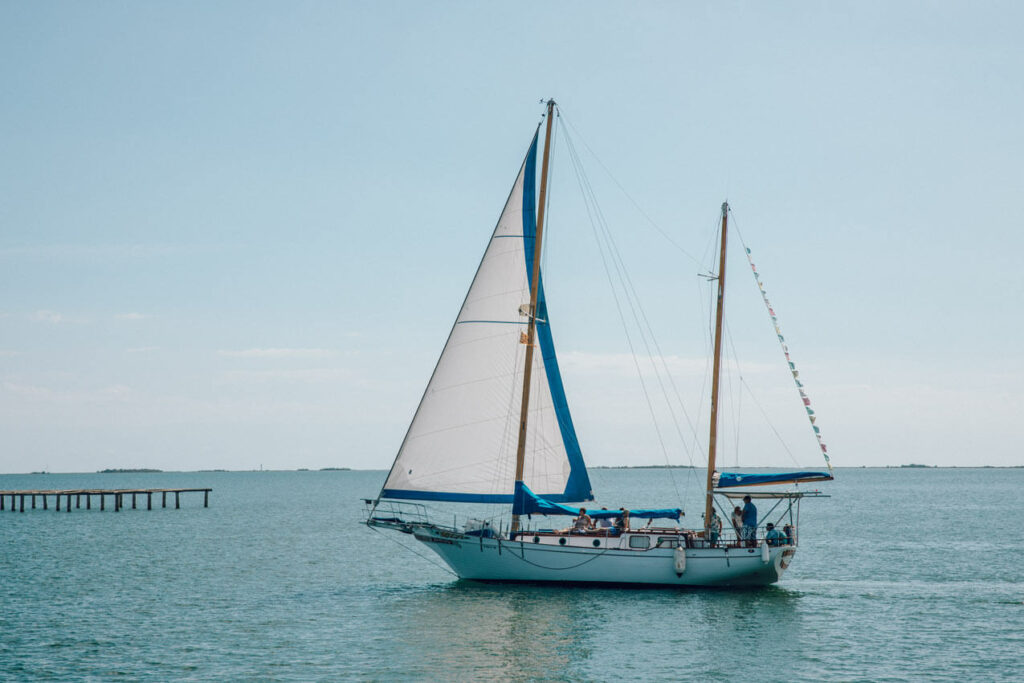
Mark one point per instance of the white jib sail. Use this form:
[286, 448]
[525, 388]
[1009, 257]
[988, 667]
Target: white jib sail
[462, 442]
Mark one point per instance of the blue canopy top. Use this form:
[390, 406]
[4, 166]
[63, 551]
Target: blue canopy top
[526, 502]
[731, 479]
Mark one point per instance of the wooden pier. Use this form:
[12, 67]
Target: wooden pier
[118, 497]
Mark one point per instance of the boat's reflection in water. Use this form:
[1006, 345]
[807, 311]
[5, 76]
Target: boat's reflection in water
[543, 632]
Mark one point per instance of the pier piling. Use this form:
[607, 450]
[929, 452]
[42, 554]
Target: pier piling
[17, 498]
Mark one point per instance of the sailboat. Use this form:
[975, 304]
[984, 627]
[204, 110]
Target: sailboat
[493, 426]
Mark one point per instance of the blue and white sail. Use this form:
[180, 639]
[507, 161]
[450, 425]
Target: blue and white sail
[461, 444]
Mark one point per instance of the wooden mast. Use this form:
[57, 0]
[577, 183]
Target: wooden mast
[531, 326]
[716, 373]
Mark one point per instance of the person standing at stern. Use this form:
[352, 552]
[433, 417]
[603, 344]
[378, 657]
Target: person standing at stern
[749, 521]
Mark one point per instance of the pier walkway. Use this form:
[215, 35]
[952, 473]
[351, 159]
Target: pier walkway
[17, 498]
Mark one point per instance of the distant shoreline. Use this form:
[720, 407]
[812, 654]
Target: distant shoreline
[591, 467]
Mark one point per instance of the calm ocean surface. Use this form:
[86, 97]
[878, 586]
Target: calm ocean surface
[903, 574]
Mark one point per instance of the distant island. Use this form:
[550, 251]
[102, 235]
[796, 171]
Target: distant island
[127, 471]
[335, 469]
[641, 467]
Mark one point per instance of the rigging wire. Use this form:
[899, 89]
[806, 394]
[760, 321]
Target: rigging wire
[414, 552]
[630, 198]
[609, 252]
[734, 395]
[743, 243]
[767, 419]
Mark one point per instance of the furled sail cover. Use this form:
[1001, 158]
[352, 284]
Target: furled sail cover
[529, 503]
[725, 480]
[461, 445]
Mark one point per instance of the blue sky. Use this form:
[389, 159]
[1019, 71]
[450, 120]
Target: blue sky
[236, 234]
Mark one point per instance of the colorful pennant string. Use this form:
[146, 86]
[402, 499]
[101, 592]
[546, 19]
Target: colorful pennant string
[792, 366]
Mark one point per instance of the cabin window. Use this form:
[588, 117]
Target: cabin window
[561, 541]
[639, 542]
[668, 542]
[597, 543]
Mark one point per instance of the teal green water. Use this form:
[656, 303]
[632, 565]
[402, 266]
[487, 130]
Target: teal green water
[901, 575]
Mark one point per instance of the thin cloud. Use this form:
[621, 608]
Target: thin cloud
[277, 353]
[309, 375]
[83, 251]
[108, 394]
[44, 316]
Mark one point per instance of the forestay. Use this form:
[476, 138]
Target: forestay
[461, 445]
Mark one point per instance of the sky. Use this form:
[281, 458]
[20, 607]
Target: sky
[236, 234]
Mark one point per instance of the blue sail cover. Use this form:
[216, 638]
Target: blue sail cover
[731, 479]
[528, 503]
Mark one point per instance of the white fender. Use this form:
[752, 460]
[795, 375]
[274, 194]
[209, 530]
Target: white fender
[764, 552]
[680, 558]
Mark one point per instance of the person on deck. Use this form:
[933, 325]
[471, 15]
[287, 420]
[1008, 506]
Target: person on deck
[604, 522]
[583, 523]
[788, 532]
[774, 537]
[715, 528]
[737, 522]
[749, 522]
[622, 521]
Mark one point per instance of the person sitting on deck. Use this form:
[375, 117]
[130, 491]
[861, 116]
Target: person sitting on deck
[774, 537]
[583, 523]
[604, 522]
[749, 522]
[622, 521]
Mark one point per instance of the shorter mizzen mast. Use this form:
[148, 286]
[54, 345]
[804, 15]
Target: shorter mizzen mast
[716, 374]
[532, 324]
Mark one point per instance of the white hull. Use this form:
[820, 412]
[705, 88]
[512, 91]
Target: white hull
[491, 559]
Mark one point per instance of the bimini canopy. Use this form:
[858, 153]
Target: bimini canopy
[528, 503]
[724, 480]
[772, 495]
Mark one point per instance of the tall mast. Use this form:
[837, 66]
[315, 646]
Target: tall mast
[531, 325]
[716, 372]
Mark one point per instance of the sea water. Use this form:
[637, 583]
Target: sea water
[902, 574]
